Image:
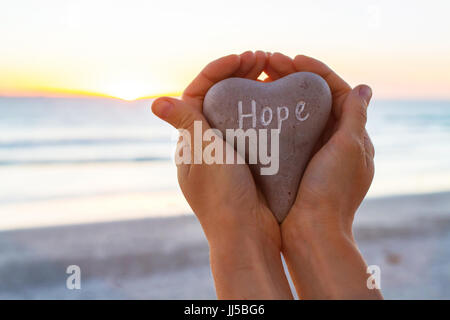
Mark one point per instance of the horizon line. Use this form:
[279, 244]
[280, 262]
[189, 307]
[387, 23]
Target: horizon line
[172, 94]
[48, 92]
[81, 94]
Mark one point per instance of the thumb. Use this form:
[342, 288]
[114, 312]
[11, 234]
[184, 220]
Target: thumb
[183, 117]
[354, 110]
[176, 112]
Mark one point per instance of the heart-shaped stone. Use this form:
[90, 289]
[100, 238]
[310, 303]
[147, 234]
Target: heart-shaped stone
[298, 104]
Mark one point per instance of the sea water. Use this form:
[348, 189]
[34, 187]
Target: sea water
[56, 151]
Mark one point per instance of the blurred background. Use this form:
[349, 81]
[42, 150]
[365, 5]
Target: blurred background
[86, 171]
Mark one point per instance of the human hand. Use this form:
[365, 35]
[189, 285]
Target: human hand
[242, 233]
[317, 234]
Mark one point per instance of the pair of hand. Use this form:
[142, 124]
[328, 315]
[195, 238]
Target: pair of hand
[316, 237]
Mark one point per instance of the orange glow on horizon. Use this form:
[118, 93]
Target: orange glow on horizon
[74, 93]
[127, 50]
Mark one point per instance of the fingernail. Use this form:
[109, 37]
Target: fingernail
[366, 93]
[162, 109]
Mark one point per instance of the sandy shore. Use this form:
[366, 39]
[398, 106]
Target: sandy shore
[159, 258]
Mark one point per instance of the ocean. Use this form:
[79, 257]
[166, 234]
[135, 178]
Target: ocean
[79, 178]
[70, 151]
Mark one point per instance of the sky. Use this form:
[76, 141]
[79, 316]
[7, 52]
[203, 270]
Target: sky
[131, 49]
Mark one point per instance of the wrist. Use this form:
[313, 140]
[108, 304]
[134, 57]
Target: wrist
[323, 259]
[315, 225]
[243, 252]
[315, 241]
[248, 268]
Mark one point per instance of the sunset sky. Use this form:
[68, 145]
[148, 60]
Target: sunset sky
[131, 49]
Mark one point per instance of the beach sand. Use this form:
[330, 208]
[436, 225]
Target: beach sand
[408, 237]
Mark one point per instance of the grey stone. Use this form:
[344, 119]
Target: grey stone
[299, 132]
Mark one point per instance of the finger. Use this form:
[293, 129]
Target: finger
[248, 60]
[260, 63]
[215, 71]
[279, 65]
[339, 88]
[177, 113]
[354, 110]
[188, 120]
[269, 70]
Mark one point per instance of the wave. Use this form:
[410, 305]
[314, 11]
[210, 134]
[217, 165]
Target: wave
[78, 142]
[82, 161]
